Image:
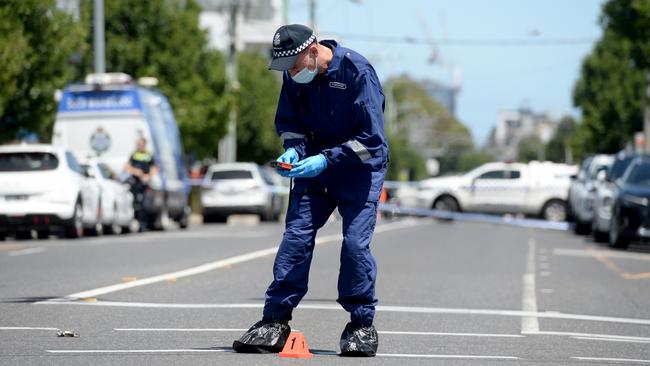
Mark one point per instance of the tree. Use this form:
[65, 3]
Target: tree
[36, 43]
[163, 39]
[559, 148]
[425, 128]
[610, 91]
[257, 139]
[530, 148]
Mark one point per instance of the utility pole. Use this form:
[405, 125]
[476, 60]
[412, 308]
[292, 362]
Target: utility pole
[228, 145]
[285, 12]
[646, 116]
[312, 14]
[98, 36]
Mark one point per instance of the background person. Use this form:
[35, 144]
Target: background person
[142, 167]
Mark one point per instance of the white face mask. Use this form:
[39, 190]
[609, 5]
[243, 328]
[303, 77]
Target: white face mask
[305, 75]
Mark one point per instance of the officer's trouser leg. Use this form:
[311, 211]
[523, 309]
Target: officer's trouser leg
[307, 213]
[358, 271]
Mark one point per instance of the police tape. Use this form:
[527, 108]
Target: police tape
[509, 220]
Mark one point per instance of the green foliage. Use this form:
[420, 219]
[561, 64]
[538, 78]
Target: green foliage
[36, 42]
[559, 148]
[448, 138]
[610, 91]
[531, 148]
[259, 91]
[406, 163]
[163, 39]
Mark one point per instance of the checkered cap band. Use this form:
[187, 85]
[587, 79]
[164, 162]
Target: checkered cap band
[296, 50]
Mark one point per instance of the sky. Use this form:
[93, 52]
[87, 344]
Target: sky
[474, 38]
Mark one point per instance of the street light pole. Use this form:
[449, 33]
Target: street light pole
[228, 145]
[98, 36]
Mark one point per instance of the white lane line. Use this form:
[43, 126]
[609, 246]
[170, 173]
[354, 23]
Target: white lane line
[27, 251]
[453, 334]
[179, 330]
[468, 357]
[611, 359]
[380, 332]
[608, 336]
[609, 339]
[380, 308]
[529, 300]
[27, 328]
[215, 265]
[99, 351]
[601, 253]
[395, 355]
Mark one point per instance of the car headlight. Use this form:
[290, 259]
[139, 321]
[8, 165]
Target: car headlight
[635, 200]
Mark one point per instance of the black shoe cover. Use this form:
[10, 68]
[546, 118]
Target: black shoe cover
[357, 341]
[263, 337]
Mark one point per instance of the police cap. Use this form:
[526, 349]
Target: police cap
[288, 42]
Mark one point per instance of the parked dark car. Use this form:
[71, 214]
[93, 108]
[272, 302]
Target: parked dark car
[630, 219]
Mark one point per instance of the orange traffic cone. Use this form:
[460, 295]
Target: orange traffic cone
[296, 347]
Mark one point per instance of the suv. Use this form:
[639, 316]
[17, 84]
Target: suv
[241, 188]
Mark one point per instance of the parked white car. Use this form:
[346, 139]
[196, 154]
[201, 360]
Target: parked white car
[536, 188]
[241, 188]
[44, 188]
[116, 200]
[604, 196]
[582, 191]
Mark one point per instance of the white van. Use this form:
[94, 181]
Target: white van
[103, 117]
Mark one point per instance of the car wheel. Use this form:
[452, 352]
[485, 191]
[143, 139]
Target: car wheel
[581, 227]
[43, 233]
[554, 210]
[113, 229]
[617, 239]
[24, 234]
[446, 203]
[74, 228]
[96, 230]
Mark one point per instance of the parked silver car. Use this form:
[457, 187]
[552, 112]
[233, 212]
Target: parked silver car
[583, 191]
[235, 188]
[604, 196]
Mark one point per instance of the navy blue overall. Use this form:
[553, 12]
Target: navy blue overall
[338, 114]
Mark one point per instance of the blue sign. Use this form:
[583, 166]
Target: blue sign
[78, 101]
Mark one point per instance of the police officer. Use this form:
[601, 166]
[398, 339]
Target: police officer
[330, 118]
[141, 166]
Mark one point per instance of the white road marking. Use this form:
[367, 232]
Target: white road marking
[608, 336]
[611, 359]
[380, 332]
[453, 334]
[469, 357]
[609, 339]
[601, 253]
[27, 251]
[27, 328]
[529, 300]
[380, 308]
[215, 265]
[396, 355]
[179, 330]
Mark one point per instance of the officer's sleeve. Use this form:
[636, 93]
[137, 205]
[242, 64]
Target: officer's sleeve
[368, 146]
[288, 119]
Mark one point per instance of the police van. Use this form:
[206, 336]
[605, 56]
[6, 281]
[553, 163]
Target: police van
[105, 116]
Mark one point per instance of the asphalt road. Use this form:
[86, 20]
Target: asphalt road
[450, 294]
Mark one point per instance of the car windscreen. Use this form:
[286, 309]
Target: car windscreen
[231, 174]
[618, 168]
[27, 161]
[640, 174]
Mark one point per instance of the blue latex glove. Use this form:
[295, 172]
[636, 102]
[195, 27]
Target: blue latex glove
[290, 156]
[309, 168]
